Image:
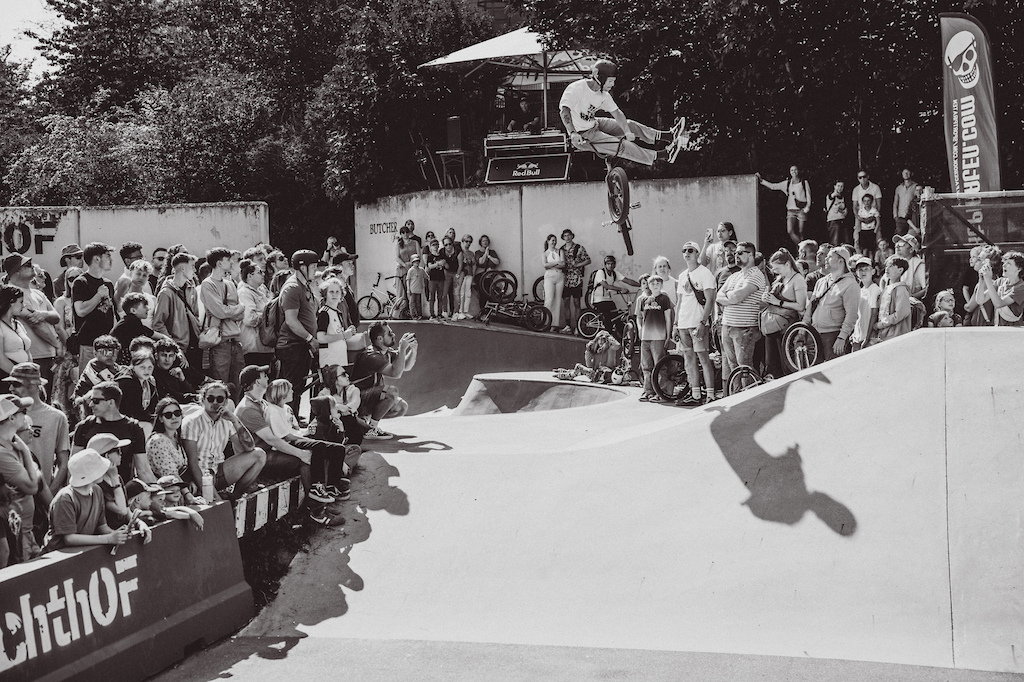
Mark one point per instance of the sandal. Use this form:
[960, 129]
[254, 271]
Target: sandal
[645, 398]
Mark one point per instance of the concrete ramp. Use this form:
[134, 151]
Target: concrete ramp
[511, 392]
[868, 509]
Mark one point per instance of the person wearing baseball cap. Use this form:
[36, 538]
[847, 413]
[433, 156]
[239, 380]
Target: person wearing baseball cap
[297, 343]
[907, 246]
[832, 308]
[20, 473]
[867, 309]
[695, 303]
[77, 511]
[343, 255]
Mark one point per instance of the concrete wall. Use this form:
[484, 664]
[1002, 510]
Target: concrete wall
[517, 219]
[41, 232]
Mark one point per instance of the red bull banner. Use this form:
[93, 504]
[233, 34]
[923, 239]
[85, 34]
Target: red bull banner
[969, 99]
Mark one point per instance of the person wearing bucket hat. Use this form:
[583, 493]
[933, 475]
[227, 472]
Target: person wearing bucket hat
[19, 471]
[916, 277]
[50, 433]
[70, 257]
[77, 511]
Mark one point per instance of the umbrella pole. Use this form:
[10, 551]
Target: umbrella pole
[544, 69]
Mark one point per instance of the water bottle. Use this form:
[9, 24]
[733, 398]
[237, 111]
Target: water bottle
[208, 491]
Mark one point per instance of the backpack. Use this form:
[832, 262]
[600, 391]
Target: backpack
[269, 326]
[918, 314]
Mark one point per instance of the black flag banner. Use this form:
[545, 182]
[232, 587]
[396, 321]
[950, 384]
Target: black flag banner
[969, 100]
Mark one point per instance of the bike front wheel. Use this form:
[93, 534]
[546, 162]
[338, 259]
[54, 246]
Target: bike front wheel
[741, 379]
[618, 194]
[537, 318]
[669, 376]
[629, 339]
[802, 347]
[369, 308]
[589, 324]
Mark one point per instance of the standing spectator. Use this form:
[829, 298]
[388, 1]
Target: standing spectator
[253, 296]
[785, 301]
[604, 284]
[864, 186]
[867, 309]
[663, 268]
[14, 340]
[486, 259]
[223, 311]
[416, 283]
[740, 299]
[894, 313]
[944, 315]
[835, 215]
[296, 343]
[869, 220]
[576, 261]
[381, 360]
[411, 226]
[655, 323]
[405, 248]
[554, 279]
[38, 316]
[833, 306]
[798, 201]
[19, 471]
[141, 272]
[332, 250]
[821, 269]
[49, 444]
[904, 203]
[70, 257]
[979, 308]
[1007, 294]
[158, 261]
[807, 256]
[726, 265]
[135, 307]
[450, 255]
[93, 298]
[435, 280]
[467, 270]
[176, 315]
[916, 277]
[711, 252]
[205, 435]
[130, 252]
[106, 417]
[695, 304]
[332, 334]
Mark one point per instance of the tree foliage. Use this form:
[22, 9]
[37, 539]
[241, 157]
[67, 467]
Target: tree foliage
[15, 113]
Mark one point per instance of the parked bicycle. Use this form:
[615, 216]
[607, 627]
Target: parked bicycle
[623, 322]
[669, 373]
[534, 316]
[382, 301]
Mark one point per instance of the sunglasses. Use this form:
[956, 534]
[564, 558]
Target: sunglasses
[862, 177]
[342, 374]
[739, 251]
[689, 250]
[106, 350]
[171, 414]
[95, 401]
[216, 399]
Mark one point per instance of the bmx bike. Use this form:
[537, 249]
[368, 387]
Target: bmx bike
[380, 301]
[499, 286]
[617, 182]
[669, 373]
[591, 322]
[534, 316]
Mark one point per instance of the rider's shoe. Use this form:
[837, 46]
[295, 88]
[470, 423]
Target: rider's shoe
[687, 400]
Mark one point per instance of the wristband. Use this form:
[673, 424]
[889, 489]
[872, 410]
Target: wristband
[309, 338]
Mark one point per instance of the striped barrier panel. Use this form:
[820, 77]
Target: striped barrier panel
[255, 510]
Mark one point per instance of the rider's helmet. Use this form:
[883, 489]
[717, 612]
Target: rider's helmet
[602, 71]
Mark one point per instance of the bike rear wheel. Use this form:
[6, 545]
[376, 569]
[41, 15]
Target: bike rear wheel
[538, 289]
[589, 324]
[802, 347]
[537, 318]
[618, 194]
[629, 337]
[502, 287]
[741, 379]
[669, 377]
[369, 308]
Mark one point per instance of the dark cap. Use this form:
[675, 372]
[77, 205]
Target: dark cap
[15, 262]
[137, 487]
[342, 256]
[304, 257]
[250, 374]
[70, 251]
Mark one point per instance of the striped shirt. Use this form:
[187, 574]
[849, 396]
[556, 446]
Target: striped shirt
[744, 313]
[211, 437]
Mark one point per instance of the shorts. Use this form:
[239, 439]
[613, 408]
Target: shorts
[867, 240]
[696, 338]
[572, 292]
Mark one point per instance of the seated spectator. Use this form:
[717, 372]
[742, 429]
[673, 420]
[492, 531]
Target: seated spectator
[106, 417]
[115, 499]
[20, 473]
[380, 360]
[1007, 294]
[205, 435]
[138, 387]
[338, 386]
[170, 378]
[328, 461]
[867, 309]
[894, 311]
[944, 315]
[136, 310]
[834, 303]
[176, 491]
[164, 447]
[153, 503]
[101, 368]
[77, 510]
[602, 351]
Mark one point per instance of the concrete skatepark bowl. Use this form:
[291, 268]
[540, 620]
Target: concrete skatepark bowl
[858, 520]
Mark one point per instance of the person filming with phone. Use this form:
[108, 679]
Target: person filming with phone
[382, 359]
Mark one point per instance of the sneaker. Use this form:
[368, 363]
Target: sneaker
[566, 329]
[342, 494]
[681, 141]
[376, 433]
[319, 493]
[687, 400]
[320, 517]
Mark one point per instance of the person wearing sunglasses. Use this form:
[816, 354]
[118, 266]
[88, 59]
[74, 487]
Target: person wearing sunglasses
[105, 402]
[164, 447]
[740, 298]
[863, 186]
[205, 435]
[101, 368]
[695, 304]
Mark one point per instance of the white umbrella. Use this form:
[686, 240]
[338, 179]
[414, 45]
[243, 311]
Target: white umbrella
[524, 54]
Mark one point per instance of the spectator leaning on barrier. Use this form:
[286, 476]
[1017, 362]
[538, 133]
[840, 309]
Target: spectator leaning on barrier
[296, 343]
[740, 299]
[106, 417]
[832, 309]
[380, 360]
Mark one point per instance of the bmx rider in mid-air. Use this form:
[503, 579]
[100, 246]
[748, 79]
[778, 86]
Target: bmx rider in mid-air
[582, 100]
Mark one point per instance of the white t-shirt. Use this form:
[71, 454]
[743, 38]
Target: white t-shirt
[584, 104]
[600, 293]
[869, 296]
[691, 312]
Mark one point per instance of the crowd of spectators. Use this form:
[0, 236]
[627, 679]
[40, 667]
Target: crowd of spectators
[178, 383]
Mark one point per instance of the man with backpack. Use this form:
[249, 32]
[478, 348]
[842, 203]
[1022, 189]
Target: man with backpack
[695, 303]
[296, 340]
[175, 315]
